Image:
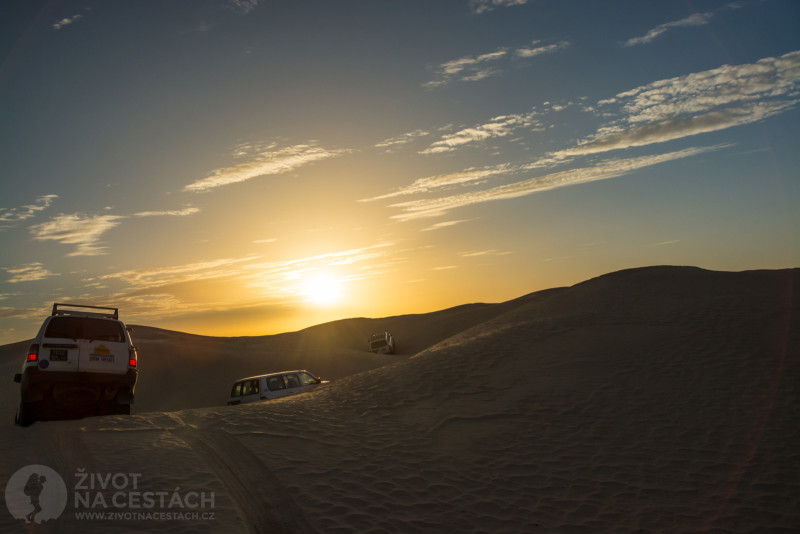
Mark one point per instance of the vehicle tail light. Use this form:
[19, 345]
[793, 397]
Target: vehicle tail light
[33, 352]
[132, 357]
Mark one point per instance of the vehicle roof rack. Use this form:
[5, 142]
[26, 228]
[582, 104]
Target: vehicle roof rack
[56, 311]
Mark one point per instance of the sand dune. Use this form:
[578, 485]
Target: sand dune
[660, 399]
[180, 371]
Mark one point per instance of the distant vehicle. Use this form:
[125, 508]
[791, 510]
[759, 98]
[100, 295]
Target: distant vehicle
[82, 362]
[382, 343]
[272, 386]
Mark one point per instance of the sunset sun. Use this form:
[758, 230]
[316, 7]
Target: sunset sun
[323, 290]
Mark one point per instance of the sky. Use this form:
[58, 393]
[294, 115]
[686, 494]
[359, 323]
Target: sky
[250, 167]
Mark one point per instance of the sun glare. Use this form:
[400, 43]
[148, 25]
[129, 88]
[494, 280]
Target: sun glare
[323, 290]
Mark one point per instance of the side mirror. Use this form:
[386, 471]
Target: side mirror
[18, 378]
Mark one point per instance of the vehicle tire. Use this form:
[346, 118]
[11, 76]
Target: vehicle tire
[122, 409]
[27, 413]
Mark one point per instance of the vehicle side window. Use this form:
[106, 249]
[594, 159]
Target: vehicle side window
[254, 385]
[103, 330]
[292, 381]
[306, 379]
[247, 388]
[64, 327]
[275, 383]
[237, 390]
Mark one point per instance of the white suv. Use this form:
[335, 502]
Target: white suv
[80, 363]
[272, 386]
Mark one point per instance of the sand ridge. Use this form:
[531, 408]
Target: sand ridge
[655, 400]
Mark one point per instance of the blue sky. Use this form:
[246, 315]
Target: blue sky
[250, 167]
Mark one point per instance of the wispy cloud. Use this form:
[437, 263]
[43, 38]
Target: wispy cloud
[698, 103]
[283, 279]
[9, 216]
[602, 171]
[247, 267]
[467, 68]
[480, 253]
[768, 78]
[176, 274]
[482, 6]
[695, 19]
[28, 273]
[267, 163]
[432, 183]
[403, 139]
[482, 66]
[77, 229]
[534, 51]
[209, 285]
[501, 126]
[23, 313]
[662, 111]
[244, 6]
[680, 127]
[169, 213]
[66, 21]
[664, 243]
[445, 224]
[86, 231]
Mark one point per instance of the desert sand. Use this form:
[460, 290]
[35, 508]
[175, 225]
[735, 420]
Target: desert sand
[661, 399]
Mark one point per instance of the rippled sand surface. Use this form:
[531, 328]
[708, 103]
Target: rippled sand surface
[651, 400]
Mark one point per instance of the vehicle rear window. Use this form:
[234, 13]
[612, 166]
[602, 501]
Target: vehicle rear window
[103, 330]
[85, 328]
[65, 327]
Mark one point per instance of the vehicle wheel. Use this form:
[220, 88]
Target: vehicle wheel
[122, 409]
[27, 414]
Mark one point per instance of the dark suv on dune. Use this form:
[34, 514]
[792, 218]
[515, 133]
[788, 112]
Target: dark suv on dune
[82, 362]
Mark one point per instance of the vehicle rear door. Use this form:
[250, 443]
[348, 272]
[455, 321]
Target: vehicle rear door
[103, 346]
[60, 345]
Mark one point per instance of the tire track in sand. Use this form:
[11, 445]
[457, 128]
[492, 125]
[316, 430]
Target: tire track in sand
[263, 502]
